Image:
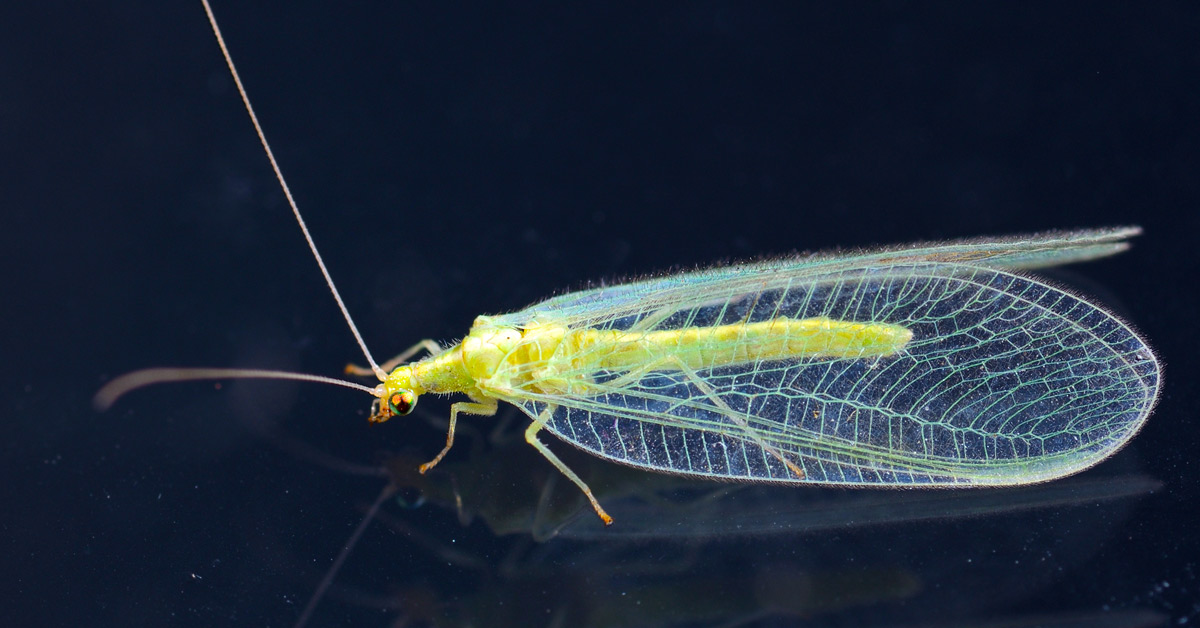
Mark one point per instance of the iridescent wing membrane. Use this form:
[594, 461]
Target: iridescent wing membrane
[1006, 380]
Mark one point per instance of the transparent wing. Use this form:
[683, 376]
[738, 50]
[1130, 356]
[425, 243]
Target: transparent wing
[1006, 381]
[601, 305]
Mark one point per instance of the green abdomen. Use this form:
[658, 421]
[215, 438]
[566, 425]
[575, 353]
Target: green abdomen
[707, 347]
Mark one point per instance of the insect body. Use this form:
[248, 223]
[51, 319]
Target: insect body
[554, 360]
[925, 365]
[932, 365]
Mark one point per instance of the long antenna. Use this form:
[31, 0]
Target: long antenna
[117, 388]
[212, 20]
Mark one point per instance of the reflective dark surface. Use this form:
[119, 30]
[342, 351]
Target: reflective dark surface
[454, 160]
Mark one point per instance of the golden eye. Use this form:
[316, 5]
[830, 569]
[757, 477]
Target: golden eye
[401, 402]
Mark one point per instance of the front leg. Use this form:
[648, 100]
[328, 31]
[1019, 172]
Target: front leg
[484, 406]
[428, 345]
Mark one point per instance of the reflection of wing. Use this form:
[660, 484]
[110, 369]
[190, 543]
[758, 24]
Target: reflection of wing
[1005, 381]
[592, 307]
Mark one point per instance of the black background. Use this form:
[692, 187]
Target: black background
[454, 160]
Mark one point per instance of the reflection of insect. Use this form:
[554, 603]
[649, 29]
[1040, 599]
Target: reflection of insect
[924, 365]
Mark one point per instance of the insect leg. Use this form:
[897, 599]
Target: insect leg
[651, 321]
[674, 362]
[485, 406]
[427, 344]
[532, 439]
[738, 419]
[710, 394]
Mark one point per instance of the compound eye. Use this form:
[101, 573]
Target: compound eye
[401, 402]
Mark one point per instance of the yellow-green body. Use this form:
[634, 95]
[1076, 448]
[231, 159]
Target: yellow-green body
[929, 365]
[554, 358]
